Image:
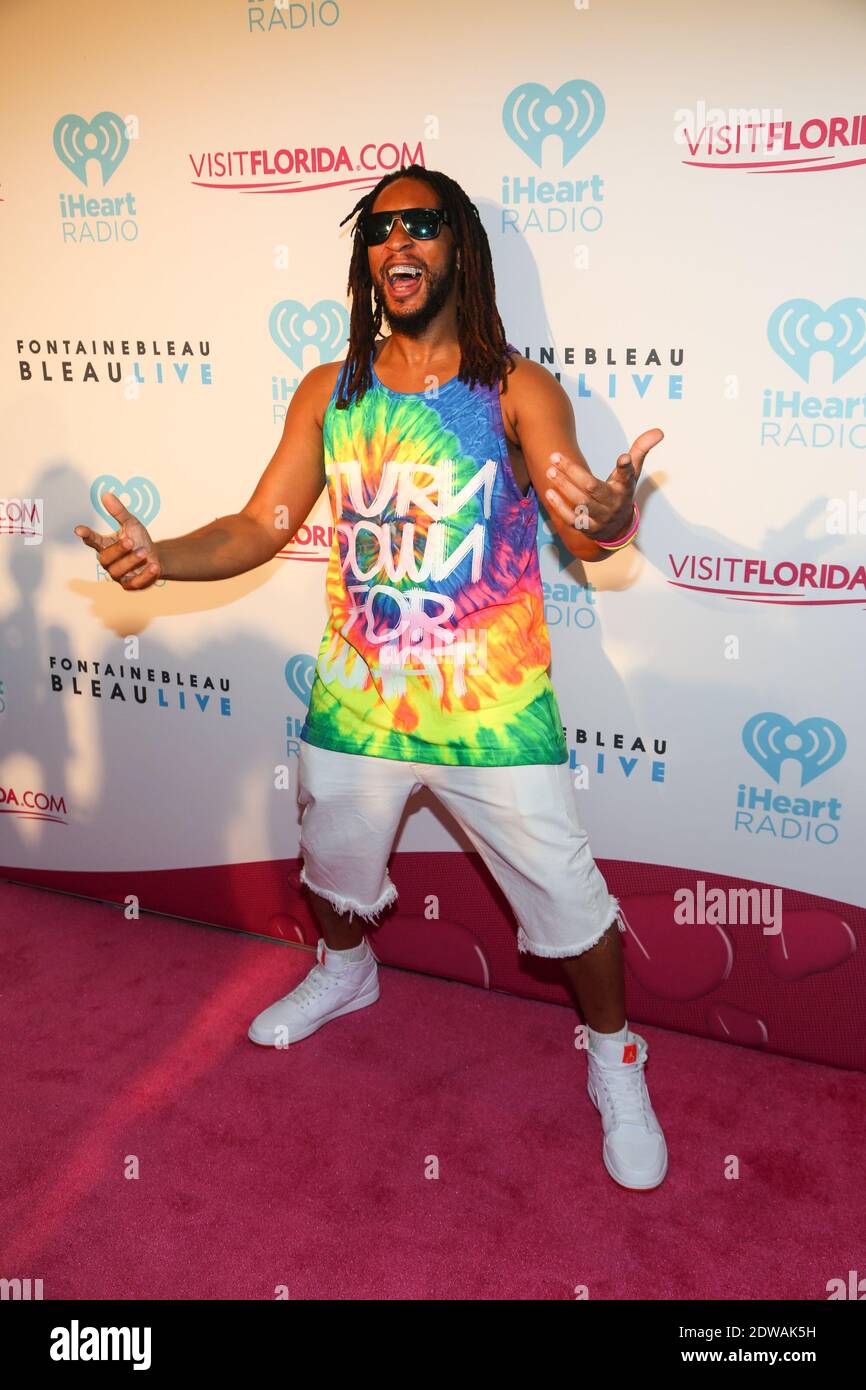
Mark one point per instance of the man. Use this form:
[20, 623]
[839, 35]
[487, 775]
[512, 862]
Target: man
[435, 443]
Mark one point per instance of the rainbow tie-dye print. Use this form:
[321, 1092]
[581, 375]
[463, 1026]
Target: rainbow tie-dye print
[436, 647]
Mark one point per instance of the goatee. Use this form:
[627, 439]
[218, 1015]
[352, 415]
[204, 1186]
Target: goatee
[412, 322]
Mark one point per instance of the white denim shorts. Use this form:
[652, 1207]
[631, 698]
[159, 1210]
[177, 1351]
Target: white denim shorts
[522, 820]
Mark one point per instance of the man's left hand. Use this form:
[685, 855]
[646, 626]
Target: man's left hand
[603, 509]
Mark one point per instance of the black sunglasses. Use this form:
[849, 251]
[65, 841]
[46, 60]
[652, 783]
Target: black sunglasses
[422, 224]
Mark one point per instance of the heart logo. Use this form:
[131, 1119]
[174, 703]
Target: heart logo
[293, 327]
[799, 328]
[299, 673]
[138, 495]
[104, 139]
[574, 112]
[817, 744]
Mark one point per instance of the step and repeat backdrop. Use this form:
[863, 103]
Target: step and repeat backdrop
[674, 199]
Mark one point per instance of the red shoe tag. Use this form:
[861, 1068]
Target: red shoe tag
[629, 1052]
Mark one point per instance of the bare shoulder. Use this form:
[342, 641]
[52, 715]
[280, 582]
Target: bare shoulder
[529, 383]
[318, 386]
[530, 376]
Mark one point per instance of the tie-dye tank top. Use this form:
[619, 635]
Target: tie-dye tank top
[436, 647]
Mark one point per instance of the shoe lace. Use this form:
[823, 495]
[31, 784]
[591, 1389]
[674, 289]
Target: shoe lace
[627, 1096]
[310, 988]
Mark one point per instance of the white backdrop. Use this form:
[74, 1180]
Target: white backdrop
[174, 179]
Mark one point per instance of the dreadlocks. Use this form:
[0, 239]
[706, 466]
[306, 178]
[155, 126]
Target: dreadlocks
[480, 332]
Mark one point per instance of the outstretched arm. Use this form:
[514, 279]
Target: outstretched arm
[293, 481]
[545, 427]
[284, 496]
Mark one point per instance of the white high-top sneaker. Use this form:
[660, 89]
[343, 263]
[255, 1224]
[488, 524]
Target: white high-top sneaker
[333, 987]
[634, 1151]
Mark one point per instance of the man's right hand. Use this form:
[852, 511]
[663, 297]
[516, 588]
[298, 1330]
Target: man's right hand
[118, 553]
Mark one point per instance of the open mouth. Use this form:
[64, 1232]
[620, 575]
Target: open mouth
[403, 280]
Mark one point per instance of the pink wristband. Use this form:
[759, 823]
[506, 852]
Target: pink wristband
[627, 535]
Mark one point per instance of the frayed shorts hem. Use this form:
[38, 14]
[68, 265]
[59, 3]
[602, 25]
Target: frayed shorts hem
[341, 903]
[538, 948]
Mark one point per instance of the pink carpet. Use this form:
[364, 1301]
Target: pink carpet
[125, 1044]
